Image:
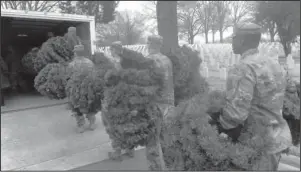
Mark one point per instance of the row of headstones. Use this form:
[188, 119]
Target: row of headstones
[221, 72]
[139, 48]
[218, 52]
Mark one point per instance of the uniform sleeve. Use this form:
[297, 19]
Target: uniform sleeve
[240, 87]
[3, 64]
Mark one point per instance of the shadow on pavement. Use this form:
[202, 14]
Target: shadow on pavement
[136, 163]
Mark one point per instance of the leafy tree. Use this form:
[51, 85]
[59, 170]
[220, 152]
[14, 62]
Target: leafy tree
[286, 15]
[67, 7]
[104, 11]
[127, 28]
[270, 27]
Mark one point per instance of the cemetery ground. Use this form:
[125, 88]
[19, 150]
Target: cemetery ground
[44, 138]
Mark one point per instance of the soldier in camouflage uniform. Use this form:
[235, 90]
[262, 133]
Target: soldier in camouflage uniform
[165, 102]
[255, 93]
[80, 64]
[14, 64]
[50, 35]
[4, 79]
[115, 48]
[72, 38]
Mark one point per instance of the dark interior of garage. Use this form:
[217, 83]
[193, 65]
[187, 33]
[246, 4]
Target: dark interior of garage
[21, 35]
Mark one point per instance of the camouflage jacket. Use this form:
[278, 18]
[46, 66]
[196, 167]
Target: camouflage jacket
[4, 80]
[167, 96]
[79, 65]
[3, 65]
[255, 92]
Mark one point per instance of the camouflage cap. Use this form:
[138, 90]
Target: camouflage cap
[155, 39]
[78, 48]
[246, 28]
[116, 45]
[71, 29]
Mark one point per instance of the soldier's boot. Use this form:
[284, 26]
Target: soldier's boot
[130, 153]
[91, 119]
[80, 121]
[116, 155]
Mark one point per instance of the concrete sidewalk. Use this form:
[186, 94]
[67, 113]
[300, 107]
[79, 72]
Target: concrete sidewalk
[288, 163]
[136, 163]
[27, 101]
[46, 139]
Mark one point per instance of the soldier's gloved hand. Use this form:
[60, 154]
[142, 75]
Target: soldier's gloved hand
[232, 133]
[223, 135]
[169, 115]
[134, 112]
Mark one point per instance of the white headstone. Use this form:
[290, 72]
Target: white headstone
[212, 61]
[223, 73]
[290, 62]
[205, 71]
[217, 65]
[226, 61]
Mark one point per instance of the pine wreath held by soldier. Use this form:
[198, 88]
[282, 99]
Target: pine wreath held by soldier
[186, 73]
[291, 108]
[56, 50]
[84, 88]
[51, 81]
[131, 111]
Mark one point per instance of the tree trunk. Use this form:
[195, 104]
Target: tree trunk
[284, 39]
[271, 28]
[206, 37]
[167, 25]
[286, 47]
[213, 36]
[191, 38]
[221, 35]
[272, 36]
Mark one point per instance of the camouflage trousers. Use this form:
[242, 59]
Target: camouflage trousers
[80, 119]
[268, 162]
[153, 149]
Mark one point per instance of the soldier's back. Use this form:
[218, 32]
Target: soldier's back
[268, 97]
[269, 87]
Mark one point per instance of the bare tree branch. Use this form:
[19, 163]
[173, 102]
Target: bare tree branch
[189, 22]
[30, 5]
[239, 10]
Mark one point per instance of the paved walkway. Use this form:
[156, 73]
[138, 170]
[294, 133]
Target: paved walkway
[45, 139]
[288, 163]
[136, 163]
[27, 101]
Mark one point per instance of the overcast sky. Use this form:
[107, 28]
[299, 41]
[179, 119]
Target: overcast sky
[131, 5]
